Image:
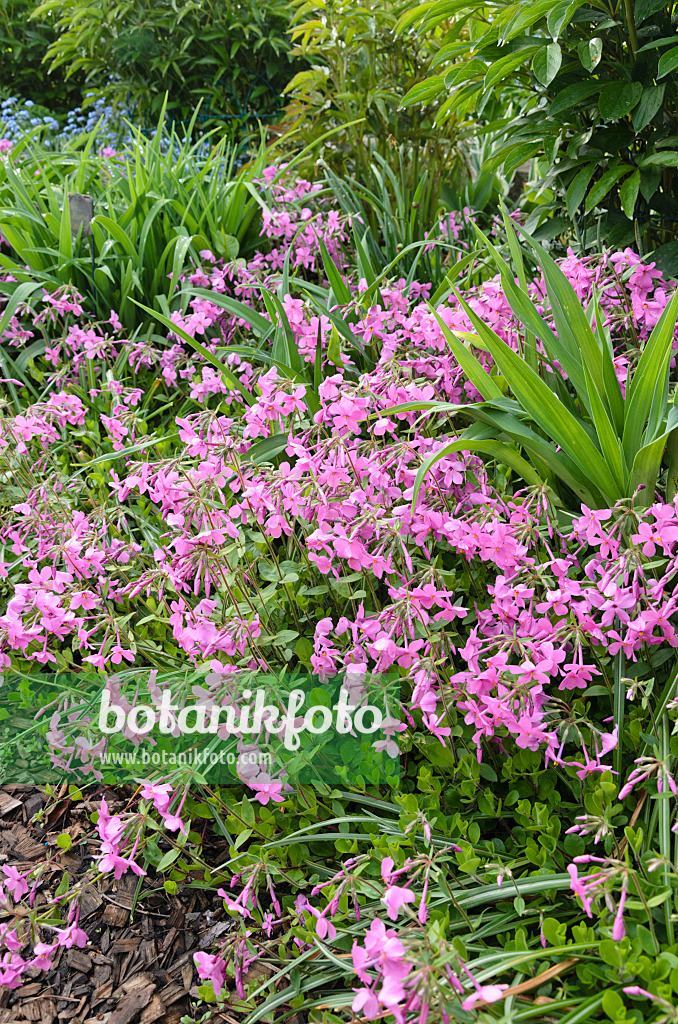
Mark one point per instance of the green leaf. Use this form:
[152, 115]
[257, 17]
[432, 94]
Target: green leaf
[649, 106]
[537, 399]
[247, 812]
[668, 62]
[605, 184]
[590, 52]
[473, 369]
[628, 194]
[618, 99]
[646, 8]
[285, 349]
[503, 69]
[577, 188]
[649, 181]
[667, 158]
[443, 289]
[647, 464]
[167, 860]
[561, 15]
[64, 841]
[607, 436]
[613, 1005]
[267, 448]
[572, 326]
[546, 63]
[238, 309]
[22, 293]
[334, 348]
[118, 234]
[65, 237]
[424, 92]
[339, 287]
[572, 95]
[181, 248]
[546, 410]
[148, 442]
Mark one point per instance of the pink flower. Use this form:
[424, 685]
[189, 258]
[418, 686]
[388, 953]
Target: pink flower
[396, 897]
[486, 993]
[72, 936]
[159, 793]
[618, 929]
[366, 1001]
[387, 865]
[43, 952]
[173, 823]
[211, 968]
[15, 882]
[263, 792]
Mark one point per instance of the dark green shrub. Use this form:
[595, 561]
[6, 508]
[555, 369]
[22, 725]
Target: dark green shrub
[360, 68]
[232, 56]
[23, 46]
[600, 86]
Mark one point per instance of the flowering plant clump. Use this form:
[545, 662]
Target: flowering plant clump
[19, 117]
[244, 494]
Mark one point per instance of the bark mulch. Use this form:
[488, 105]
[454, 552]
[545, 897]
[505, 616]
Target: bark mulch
[138, 966]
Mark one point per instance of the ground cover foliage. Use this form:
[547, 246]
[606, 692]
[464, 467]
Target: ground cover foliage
[275, 434]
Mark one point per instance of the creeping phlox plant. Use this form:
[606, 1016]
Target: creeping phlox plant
[242, 497]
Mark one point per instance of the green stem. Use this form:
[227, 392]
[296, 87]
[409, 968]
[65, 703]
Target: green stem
[631, 25]
[619, 695]
[665, 830]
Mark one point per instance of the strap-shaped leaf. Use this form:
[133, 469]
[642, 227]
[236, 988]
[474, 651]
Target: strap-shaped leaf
[546, 409]
[574, 330]
[522, 304]
[267, 448]
[500, 416]
[615, 399]
[284, 343]
[260, 324]
[608, 439]
[473, 369]
[647, 462]
[495, 449]
[652, 367]
[339, 287]
[519, 264]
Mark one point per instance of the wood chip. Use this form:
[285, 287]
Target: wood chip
[115, 916]
[187, 975]
[129, 944]
[148, 951]
[21, 844]
[154, 1011]
[141, 980]
[34, 989]
[31, 1010]
[172, 992]
[8, 803]
[74, 1010]
[131, 1004]
[90, 900]
[48, 1010]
